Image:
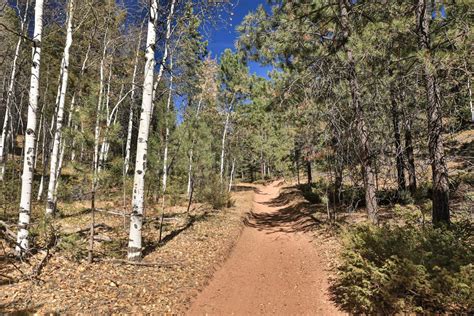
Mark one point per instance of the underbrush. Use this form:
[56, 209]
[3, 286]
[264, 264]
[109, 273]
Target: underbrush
[406, 269]
[214, 193]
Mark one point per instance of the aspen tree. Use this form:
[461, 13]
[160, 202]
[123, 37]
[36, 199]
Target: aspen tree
[28, 161]
[136, 217]
[55, 154]
[10, 91]
[128, 145]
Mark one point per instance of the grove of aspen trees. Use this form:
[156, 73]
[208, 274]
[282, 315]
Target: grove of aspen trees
[140, 139]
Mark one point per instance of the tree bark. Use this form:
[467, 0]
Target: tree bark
[361, 125]
[410, 157]
[107, 109]
[224, 133]
[136, 217]
[165, 51]
[469, 89]
[440, 212]
[399, 162]
[28, 161]
[167, 130]
[128, 145]
[191, 150]
[338, 183]
[231, 178]
[54, 170]
[44, 164]
[308, 172]
[165, 151]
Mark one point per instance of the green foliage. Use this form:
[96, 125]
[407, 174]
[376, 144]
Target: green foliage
[406, 269]
[113, 175]
[215, 194]
[311, 193]
[405, 197]
[45, 233]
[9, 197]
[116, 248]
[73, 247]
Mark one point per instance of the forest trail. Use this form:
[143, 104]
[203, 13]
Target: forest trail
[273, 268]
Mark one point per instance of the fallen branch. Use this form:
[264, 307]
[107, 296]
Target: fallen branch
[112, 212]
[9, 278]
[102, 238]
[7, 231]
[84, 230]
[37, 269]
[143, 263]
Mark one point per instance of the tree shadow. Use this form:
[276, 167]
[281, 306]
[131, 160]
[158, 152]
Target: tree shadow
[74, 214]
[242, 188]
[288, 218]
[153, 245]
[19, 312]
[289, 195]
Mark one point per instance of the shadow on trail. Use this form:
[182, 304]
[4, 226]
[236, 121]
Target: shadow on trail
[244, 188]
[290, 217]
[286, 197]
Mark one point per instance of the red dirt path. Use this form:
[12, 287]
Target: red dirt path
[272, 270]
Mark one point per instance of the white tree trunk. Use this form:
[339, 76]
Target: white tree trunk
[28, 161]
[165, 151]
[40, 129]
[128, 145]
[11, 87]
[224, 133]
[55, 154]
[165, 52]
[167, 130]
[470, 98]
[231, 174]
[107, 109]
[3, 139]
[190, 171]
[98, 108]
[40, 189]
[43, 162]
[190, 167]
[136, 217]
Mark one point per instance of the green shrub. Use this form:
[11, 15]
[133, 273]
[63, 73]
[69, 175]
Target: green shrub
[405, 197]
[45, 233]
[388, 270]
[73, 247]
[216, 194]
[423, 191]
[311, 193]
[115, 248]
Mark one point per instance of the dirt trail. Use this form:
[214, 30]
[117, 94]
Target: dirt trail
[272, 269]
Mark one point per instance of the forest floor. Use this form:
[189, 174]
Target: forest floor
[277, 266]
[193, 247]
[260, 256]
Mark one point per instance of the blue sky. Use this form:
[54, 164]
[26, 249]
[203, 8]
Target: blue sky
[224, 35]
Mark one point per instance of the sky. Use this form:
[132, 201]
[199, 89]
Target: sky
[224, 35]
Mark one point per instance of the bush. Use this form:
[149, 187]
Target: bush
[215, 194]
[388, 270]
[73, 247]
[311, 193]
